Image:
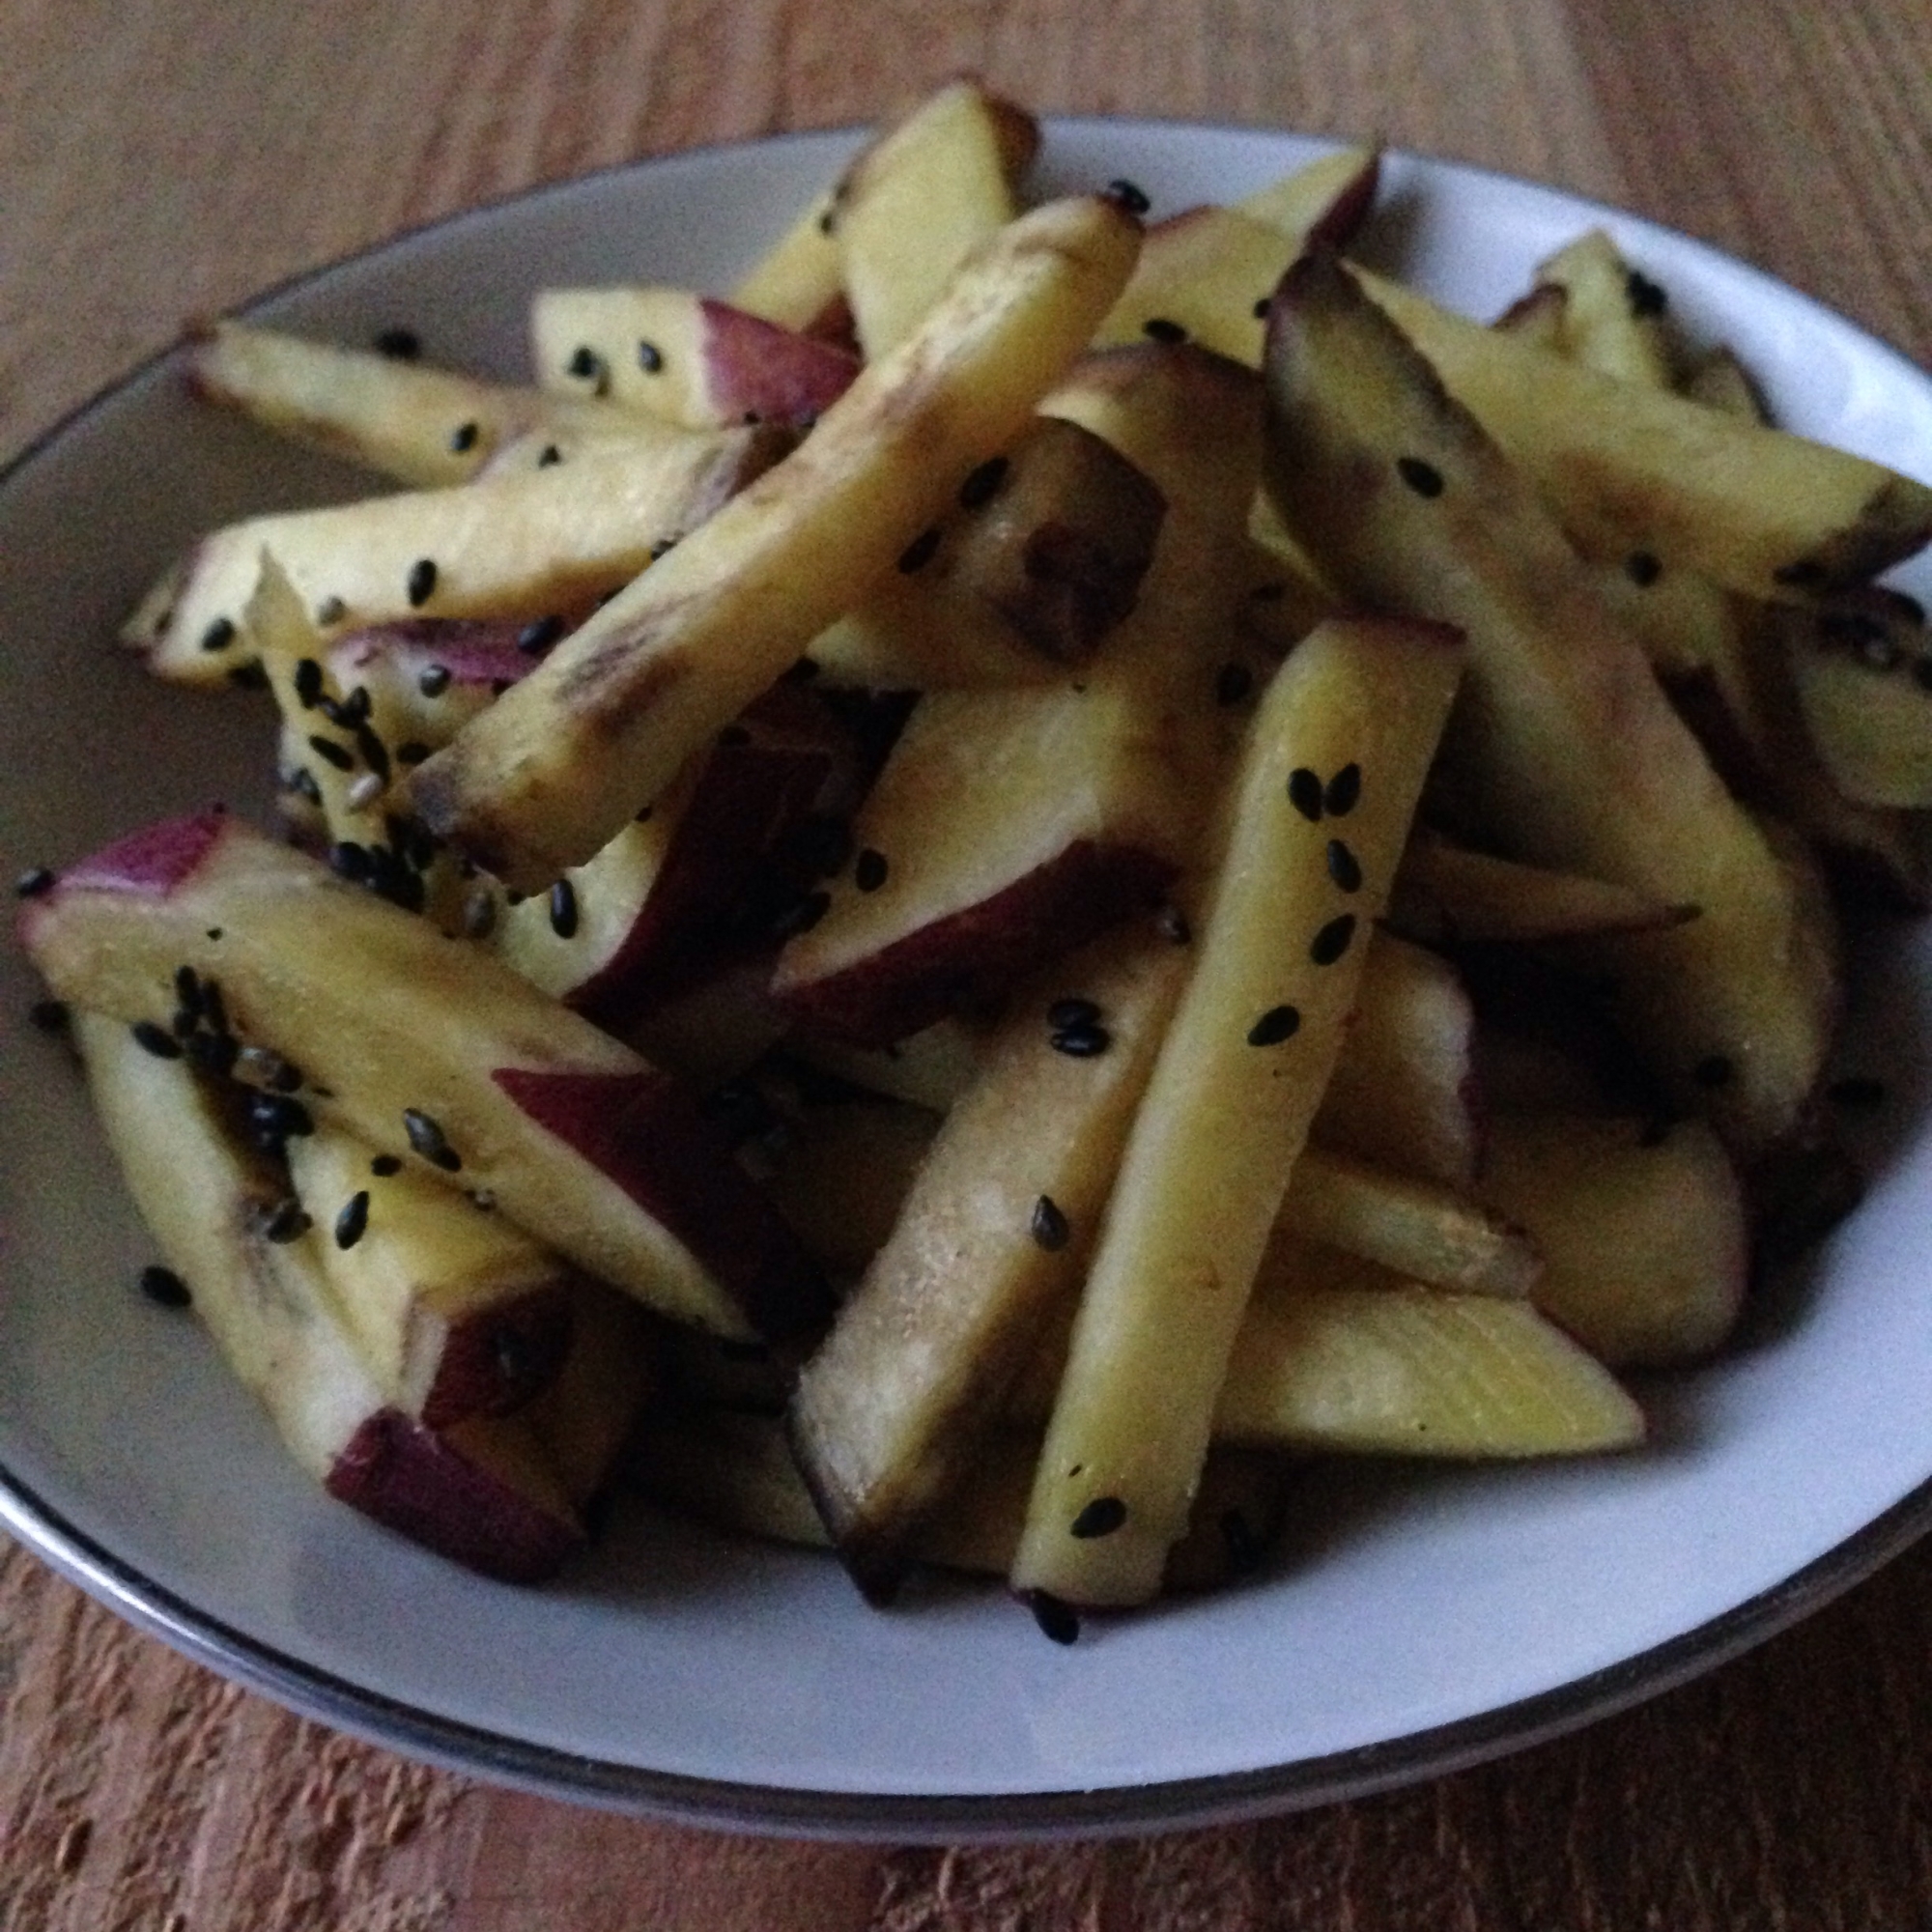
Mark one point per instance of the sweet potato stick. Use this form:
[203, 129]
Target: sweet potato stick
[1318, 816]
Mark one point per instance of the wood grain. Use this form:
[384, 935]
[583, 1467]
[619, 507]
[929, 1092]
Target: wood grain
[164, 158]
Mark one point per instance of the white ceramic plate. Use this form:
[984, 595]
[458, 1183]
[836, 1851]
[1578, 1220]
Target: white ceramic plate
[1416, 1620]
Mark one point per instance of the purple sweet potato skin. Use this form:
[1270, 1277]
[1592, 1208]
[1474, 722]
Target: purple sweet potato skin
[755, 367]
[496, 1362]
[406, 1477]
[979, 951]
[649, 1137]
[156, 860]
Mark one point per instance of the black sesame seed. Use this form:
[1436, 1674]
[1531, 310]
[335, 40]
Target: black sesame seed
[348, 859]
[1232, 683]
[332, 753]
[1714, 1069]
[330, 610]
[549, 456]
[1056, 1620]
[399, 345]
[1305, 793]
[422, 585]
[411, 752]
[156, 1039]
[1857, 1091]
[1129, 195]
[434, 681]
[563, 909]
[427, 1140]
[1080, 1043]
[1072, 1012]
[1344, 791]
[301, 782]
[1344, 868]
[1102, 1516]
[651, 358]
[1333, 940]
[1642, 568]
[536, 637]
[918, 553]
[280, 1117]
[220, 635]
[391, 878]
[213, 1008]
[383, 1165]
[1048, 1227]
[982, 485]
[585, 362]
[251, 676]
[1424, 478]
[164, 1288]
[213, 1053]
[354, 1220]
[465, 438]
[1158, 329]
[825, 222]
[868, 874]
[1277, 1024]
[49, 1015]
[375, 753]
[286, 1222]
[308, 682]
[36, 882]
[1262, 303]
[660, 550]
[1645, 297]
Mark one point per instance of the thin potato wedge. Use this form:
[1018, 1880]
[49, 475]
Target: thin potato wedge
[1757, 510]
[520, 545]
[424, 427]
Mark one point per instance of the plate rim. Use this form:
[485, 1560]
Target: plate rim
[719, 1804]
[885, 1817]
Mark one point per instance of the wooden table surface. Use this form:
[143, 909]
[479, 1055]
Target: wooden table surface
[160, 158]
